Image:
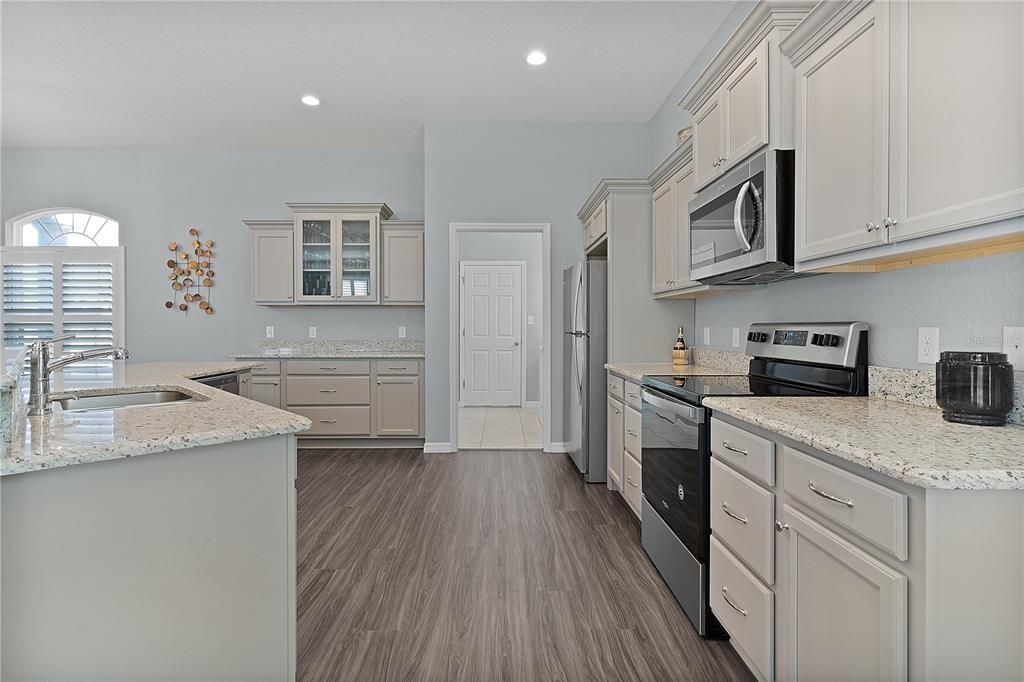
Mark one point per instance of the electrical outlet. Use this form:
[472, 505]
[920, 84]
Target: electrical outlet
[735, 337]
[401, 332]
[927, 344]
[312, 332]
[1013, 346]
[529, 319]
[270, 332]
[707, 336]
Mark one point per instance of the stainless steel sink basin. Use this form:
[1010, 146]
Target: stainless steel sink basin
[115, 401]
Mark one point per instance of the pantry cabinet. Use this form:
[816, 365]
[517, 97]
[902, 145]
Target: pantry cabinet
[908, 132]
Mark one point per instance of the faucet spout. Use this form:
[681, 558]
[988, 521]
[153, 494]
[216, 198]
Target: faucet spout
[114, 352]
[41, 367]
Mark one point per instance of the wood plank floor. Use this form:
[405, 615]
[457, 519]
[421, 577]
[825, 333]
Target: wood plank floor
[480, 565]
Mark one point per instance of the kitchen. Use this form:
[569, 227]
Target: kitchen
[911, 245]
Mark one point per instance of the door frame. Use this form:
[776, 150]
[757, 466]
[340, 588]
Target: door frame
[454, 390]
[521, 264]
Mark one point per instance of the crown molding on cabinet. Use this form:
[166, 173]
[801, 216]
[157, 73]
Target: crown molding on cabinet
[681, 156]
[411, 224]
[767, 16]
[383, 209]
[608, 185]
[268, 224]
[819, 25]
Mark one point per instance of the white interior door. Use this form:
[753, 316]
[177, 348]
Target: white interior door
[492, 334]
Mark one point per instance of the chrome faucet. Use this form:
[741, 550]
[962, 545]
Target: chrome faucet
[40, 369]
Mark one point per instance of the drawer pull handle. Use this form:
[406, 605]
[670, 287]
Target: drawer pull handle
[629, 480]
[328, 390]
[631, 432]
[328, 368]
[733, 448]
[633, 395]
[328, 421]
[822, 493]
[730, 513]
[725, 594]
[396, 367]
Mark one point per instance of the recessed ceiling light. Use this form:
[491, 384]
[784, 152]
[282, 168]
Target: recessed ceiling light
[311, 100]
[536, 58]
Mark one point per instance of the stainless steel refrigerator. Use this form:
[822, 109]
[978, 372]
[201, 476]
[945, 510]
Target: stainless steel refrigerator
[584, 401]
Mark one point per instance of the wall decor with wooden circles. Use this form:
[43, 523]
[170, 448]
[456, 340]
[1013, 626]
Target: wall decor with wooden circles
[190, 272]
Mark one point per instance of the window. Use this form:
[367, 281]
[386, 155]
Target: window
[63, 273]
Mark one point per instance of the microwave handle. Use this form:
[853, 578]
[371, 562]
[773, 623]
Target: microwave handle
[737, 215]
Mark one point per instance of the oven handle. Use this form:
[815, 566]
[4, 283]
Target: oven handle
[688, 412]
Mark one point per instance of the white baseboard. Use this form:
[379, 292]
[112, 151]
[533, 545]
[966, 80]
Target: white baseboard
[556, 447]
[437, 448]
[532, 403]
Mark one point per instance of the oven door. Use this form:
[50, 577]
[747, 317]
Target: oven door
[730, 223]
[676, 467]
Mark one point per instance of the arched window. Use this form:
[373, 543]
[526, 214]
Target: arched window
[63, 273]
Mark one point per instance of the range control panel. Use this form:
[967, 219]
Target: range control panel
[835, 343]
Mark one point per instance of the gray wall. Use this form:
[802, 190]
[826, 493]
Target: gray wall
[157, 194]
[489, 246]
[512, 173]
[970, 298]
[670, 118]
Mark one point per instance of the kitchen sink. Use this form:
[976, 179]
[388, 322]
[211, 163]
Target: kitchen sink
[113, 401]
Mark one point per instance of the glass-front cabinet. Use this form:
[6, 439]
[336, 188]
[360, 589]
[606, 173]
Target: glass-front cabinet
[336, 253]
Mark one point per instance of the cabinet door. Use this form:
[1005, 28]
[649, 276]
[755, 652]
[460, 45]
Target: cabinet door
[957, 150]
[402, 265]
[843, 612]
[745, 105]
[842, 119]
[615, 442]
[273, 274]
[682, 193]
[599, 223]
[397, 408]
[266, 390]
[315, 256]
[588, 226]
[357, 256]
[707, 141]
[663, 255]
[245, 384]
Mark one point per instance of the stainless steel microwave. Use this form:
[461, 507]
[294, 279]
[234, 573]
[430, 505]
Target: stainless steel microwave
[741, 227]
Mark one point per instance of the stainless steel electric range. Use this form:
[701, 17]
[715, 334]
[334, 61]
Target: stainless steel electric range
[788, 359]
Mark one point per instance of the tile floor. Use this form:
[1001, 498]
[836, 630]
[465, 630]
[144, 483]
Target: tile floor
[500, 428]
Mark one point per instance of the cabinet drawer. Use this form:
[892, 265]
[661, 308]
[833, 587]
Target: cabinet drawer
[742, 517]
[267, 367]
[351, 420]
[744, 606]
[329, 367]
[339, 390]
[633, 395]
[870, 510]
[616, 387]
[749, 453]
[397, 367]
[632, 487]
[631, 435]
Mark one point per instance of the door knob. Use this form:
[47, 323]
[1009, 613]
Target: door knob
[515, 344]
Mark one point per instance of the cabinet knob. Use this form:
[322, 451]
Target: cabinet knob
[871, 227]
[889, 222]
[780, 526]
[378, 383]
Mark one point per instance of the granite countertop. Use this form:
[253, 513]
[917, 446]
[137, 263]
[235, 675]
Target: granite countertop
[327, 348]
[637, 371]
[210, 418]
[11, 361]
[906, 442]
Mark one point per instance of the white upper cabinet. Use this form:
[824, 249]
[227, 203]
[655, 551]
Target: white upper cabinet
[273, 277]
[664, 239]
[909, 125]
[682, 192]
[841, 125]
[708, 147]
[740, 102]
[957, 143]
[402, 263]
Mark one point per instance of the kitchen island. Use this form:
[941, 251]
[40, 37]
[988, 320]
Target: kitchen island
[152, 541]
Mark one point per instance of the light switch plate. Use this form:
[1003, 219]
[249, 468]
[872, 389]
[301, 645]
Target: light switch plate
[270, 332]
[312, 332]
[401, 332]
[1013, 346]
[927, 345]
[735, 337]
[529, 319]
[707, 336]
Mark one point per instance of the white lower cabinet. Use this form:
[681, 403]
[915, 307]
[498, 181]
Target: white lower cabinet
[397, 405]
[744, 607]
[615, 442]
[632, 487]
[843, 612]
[266, 390]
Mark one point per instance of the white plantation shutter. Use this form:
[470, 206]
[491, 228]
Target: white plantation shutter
[50, 291]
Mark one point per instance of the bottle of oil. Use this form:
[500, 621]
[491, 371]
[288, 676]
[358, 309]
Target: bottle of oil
[680, 353]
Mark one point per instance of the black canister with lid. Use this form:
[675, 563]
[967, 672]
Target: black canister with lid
[974, 388]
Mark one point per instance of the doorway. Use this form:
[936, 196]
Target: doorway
[500, 326]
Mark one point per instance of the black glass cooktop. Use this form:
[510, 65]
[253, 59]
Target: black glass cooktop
[695, 388]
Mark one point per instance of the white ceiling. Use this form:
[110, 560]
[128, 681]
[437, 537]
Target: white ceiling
[130, 74]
